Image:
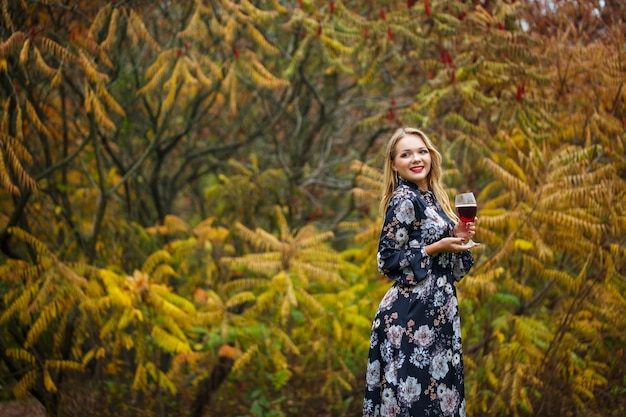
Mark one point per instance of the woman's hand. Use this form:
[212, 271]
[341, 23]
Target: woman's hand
[465, 230]
[447, 244]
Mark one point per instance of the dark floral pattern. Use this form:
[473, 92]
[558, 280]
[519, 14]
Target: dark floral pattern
[415, 363]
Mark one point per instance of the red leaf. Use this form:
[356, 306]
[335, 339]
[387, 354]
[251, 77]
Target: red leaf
[383, 15]
[332, 6]
[236, 52]
[520, 93]
[427, 8]
[390, 34]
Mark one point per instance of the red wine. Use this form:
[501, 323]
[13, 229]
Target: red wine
[467, 213]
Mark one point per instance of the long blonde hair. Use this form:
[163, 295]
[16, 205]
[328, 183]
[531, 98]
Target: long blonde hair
[390, 178]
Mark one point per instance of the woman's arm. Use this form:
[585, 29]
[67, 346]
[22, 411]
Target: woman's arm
[401, 256]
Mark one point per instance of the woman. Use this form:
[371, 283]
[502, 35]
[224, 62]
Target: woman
[415, 364]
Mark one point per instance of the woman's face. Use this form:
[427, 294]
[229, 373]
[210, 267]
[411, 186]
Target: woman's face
[412, 160]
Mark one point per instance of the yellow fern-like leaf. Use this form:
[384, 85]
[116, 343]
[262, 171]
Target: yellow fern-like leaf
[67, 365]
[22, 355]
[154, 260]
[46, 316]
[108, 100]
[162, 380]
[22, 389]
[97, 25]
[156, 74]
[177, 300]
[107, 43]
[162, 273]
[137, 26]
[506, 178]
[244, 359]
[260, 39]
[259, 238]
[169, 342]
[42, 65]
[90, 69]
[240, 298]
[314, 240]
[12, 44]
[94, 105]
[57, 50]
[140, 381]
[244, 284]
[34, 118]
[19, 304]
[24, 52]
[48, 382]
[209, 318]
[165, 307]
[5, 180]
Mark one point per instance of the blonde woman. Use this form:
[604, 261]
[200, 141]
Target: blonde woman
[415, 363]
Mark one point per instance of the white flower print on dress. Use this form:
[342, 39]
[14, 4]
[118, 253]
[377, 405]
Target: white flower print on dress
[391, 369]
[439, 366]
[456, 359]
[449, 401]
[389, 406]
[388, 299]
[419, 357]
[395, 335]
[386, 351]
[435, 217]
[402, 236]
[424, 336]
[440, 297]
[368, 406]
[375, 324]
[409, 391]
[405, 213]
[373, 340]
[379, 262]
[451, 308]
[372, 376]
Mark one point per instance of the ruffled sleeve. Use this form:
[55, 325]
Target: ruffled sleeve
[401, 250]
[462, 262]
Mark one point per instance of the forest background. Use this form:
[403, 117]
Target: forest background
[189, 191]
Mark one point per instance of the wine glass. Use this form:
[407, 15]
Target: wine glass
[466, 208]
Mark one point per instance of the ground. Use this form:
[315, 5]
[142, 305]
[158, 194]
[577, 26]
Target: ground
[22, 409]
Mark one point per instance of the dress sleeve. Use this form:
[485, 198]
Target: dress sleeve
[462, 262]
[401, 250]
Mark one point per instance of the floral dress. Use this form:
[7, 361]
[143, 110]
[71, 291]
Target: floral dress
[415, 363]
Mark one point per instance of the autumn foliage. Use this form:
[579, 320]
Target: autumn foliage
[189, 193]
